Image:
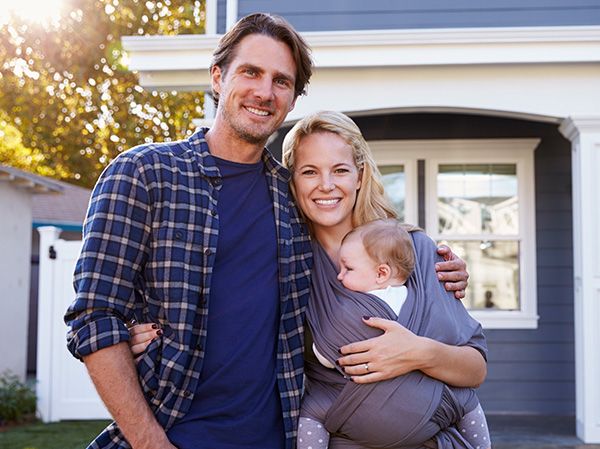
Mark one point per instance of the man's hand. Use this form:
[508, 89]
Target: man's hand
[453, 272]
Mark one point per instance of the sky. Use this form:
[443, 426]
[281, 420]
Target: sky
[45, 11]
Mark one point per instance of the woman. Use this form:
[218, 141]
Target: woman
[337, 186]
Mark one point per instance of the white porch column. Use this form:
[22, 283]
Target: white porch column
[584, 133]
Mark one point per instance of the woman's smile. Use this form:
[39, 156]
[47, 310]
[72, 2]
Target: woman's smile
[327, 202]
[326, 180]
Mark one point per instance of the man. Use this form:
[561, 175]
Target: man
[201, 237]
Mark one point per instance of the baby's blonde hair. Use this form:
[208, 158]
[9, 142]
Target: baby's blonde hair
[388, 241]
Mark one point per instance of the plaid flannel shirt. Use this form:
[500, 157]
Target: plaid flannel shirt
[150, 242]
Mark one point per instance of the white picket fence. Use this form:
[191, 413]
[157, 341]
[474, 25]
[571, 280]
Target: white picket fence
[64, 388]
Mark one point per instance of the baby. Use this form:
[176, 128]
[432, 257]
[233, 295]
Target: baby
[378, 258]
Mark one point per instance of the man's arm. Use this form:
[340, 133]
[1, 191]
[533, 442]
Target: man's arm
[113, 372]
[115, 247]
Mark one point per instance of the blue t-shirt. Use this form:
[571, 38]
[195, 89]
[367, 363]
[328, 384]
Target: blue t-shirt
[236, 404]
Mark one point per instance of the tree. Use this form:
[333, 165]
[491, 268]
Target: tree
[14, 153]
[66, 93]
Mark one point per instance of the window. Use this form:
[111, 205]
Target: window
[478, 197]
[394, 182]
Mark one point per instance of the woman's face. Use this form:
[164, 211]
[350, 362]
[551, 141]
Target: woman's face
[326, 181]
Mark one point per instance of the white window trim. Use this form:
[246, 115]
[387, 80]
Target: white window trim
[435, 152]
[386, 153]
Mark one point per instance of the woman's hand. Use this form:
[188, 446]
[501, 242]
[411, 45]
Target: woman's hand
[399, 351]
[141, 336]
[396, 352]
[453, 272]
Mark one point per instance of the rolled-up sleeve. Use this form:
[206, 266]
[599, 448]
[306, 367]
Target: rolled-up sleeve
[115, 246]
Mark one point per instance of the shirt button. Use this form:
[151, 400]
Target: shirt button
[178, 235]
[207, 252]
[187, 393]
[213, 213]
[216, 181]
[199, 347]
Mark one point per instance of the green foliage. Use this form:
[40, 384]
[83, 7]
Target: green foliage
[17, 400]
[66, 97]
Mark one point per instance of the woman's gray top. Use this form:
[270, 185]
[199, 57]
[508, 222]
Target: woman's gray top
[409, 410]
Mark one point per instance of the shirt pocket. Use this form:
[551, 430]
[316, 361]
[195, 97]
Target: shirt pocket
[174, 265]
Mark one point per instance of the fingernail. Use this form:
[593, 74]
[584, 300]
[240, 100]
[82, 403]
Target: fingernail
[155, 326]
[340, 351]
[337, 362]
[159, 332]
[366, 317]
[439, 276]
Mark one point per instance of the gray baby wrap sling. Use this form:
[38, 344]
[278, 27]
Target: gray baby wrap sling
[412, 410]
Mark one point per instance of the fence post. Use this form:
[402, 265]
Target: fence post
[48, 237]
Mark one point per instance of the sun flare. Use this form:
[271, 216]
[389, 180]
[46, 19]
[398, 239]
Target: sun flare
[41, 11]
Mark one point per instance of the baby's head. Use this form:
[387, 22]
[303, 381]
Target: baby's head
[376, 255]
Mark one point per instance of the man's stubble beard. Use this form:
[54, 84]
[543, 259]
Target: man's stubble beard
[246, 133]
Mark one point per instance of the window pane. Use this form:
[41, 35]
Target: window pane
[478, 199]
[494, 273]
[394, 182]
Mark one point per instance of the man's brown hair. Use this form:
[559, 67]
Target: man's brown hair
[268, 25]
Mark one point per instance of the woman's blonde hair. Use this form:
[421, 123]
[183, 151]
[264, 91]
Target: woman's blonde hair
[371, 202]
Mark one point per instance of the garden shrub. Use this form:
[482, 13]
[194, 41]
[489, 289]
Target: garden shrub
[17, 400]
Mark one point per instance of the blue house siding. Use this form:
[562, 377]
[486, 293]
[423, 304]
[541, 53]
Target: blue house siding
[318, 15]
[222, 16]
[529, 371]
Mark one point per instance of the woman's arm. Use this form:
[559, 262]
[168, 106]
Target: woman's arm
[459, 366]
[398, 351]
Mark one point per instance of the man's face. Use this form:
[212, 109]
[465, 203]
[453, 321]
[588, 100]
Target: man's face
[256, 91]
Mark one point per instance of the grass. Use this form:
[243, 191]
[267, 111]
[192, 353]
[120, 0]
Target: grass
[61, 435]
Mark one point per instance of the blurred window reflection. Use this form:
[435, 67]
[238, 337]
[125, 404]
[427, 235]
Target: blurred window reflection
[478, 199]
[394, 182]
[494, 273]
[480, 202]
